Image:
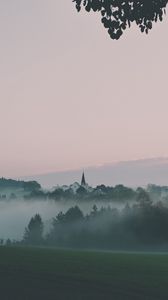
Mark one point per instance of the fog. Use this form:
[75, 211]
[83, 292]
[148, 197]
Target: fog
[16, 214]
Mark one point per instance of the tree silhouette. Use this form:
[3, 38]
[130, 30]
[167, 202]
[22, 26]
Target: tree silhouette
[34, 232]
[73, 214]
[117, 15]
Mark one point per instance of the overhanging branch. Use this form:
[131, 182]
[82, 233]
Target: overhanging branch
[117, 15]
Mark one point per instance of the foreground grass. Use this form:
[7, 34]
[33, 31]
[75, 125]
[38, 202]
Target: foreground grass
[37, 273]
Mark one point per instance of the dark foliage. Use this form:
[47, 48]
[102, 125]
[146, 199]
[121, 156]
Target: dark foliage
[36, 194]
[59, 194]
[100, 193]
[142, 225]
[26, 185]
[34, 232]
[117, 15]
[81, 191]
[72, 215]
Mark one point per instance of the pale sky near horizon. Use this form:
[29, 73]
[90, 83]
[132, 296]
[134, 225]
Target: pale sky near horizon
[71, 97]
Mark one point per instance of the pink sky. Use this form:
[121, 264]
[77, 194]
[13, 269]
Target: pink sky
[71, 97]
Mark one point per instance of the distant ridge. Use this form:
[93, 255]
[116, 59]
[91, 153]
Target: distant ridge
[130, 173]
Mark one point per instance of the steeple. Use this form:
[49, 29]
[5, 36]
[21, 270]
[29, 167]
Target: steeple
[83, 181]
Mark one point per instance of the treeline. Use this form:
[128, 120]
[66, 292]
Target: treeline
[19, 184]
[140, 226]
[33, 190]
[99, 193]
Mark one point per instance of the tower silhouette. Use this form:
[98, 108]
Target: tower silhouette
[83, 181]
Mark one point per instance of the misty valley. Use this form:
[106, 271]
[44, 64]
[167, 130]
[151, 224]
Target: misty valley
[78, 242]
[80, 216]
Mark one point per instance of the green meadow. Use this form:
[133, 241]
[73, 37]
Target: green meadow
[41, 273]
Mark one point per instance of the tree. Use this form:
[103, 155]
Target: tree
[94, 210]
[143, 198]
[81, 191]
[117, 15]
[122, 192]
[8, 242]
[34, 232]
[73, 214]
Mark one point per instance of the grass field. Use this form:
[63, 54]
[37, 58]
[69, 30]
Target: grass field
[37, 273]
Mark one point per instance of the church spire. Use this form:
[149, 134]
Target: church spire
[83, 181]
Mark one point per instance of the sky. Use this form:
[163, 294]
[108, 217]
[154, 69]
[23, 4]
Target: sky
[71, 97]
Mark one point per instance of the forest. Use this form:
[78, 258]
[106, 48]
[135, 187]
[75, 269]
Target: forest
[141, 225]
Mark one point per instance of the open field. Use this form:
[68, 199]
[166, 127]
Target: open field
[38, 273]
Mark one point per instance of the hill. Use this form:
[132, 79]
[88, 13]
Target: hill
[10, 188]
[10, 183]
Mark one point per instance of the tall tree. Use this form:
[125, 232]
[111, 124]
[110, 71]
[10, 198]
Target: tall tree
[117, 15]
[34, 232]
